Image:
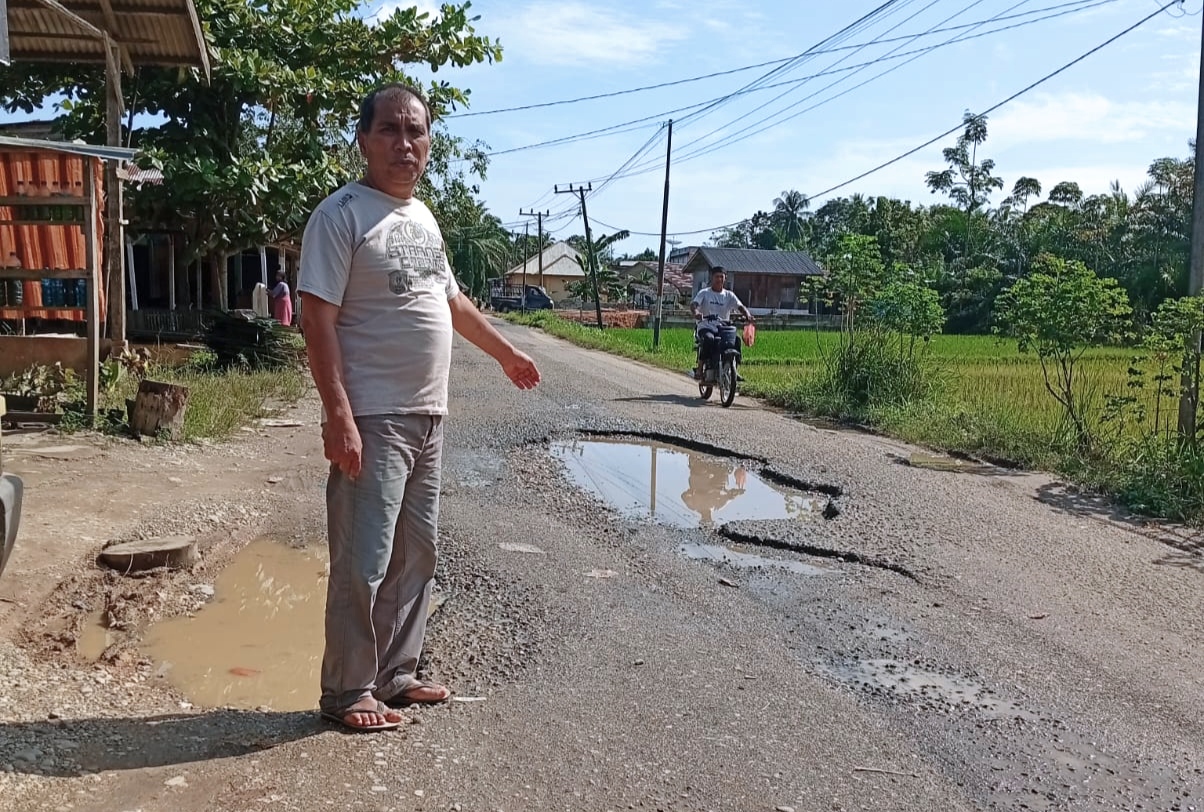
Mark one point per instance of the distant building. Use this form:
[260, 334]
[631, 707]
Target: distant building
[560, 270]
[766, 281]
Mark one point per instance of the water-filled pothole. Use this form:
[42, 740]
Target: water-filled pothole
[916, 684]
[259, 641]
[648, 480]
[751, 561]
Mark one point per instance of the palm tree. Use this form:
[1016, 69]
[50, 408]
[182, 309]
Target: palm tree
[479, 251]
[790, 213]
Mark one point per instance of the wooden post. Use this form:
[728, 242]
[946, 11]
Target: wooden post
[93, 304]
[171, 272]
[114, 237]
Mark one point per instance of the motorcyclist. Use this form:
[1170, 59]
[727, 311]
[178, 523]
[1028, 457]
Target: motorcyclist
[714, 301]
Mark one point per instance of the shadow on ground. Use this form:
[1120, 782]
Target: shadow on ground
[1187, 542]
[680, 400]
[68, 748]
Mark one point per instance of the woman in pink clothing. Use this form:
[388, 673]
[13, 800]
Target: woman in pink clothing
[282, 300]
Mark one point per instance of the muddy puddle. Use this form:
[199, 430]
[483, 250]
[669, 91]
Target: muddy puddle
[650, 481]
[258, 641]
[749, 561]
[909, 682]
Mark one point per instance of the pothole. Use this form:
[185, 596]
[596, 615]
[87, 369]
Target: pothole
[649, 480]
[749, 561]
[258, 642]
[909, 682]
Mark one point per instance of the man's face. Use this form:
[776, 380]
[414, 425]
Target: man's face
[718, 280]
[397, 146]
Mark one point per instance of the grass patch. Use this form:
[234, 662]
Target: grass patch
[221, 401]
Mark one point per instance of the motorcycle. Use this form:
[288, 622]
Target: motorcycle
[721, 355]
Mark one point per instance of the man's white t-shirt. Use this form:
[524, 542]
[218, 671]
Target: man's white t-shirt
[717, 303]
[383, 261]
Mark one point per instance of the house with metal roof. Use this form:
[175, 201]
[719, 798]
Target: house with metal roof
[766, 281]
[560, 269]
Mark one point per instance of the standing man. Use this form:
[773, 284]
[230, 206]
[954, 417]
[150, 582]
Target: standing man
[282, 299]
[380, 305]
[713, 301]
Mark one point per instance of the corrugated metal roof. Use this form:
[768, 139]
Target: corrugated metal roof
[753, 260]
[151, 32]
[135, 174]
[8, 143]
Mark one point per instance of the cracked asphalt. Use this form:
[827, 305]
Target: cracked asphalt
[964, 640]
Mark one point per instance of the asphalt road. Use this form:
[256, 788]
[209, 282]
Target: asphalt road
[959, 640]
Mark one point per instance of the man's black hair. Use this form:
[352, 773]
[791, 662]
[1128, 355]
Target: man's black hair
[718, 269]
[368, 106]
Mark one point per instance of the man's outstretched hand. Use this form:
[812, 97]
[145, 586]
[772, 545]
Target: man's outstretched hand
[521, 370]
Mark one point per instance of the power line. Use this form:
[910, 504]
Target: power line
[785, 93]
[1006, 101]
[706, 105]
[946, 133]
[745, 134]
[805, 56]
[645, 122]
[914, 53]
[743, 68]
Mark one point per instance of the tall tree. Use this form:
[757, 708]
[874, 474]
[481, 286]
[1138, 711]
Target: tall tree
[967, 181]
[246, 156]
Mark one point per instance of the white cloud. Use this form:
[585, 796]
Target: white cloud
[1087, 118]
[578, 33]
[387, 8]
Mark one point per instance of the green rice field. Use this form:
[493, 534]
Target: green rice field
[995, 400]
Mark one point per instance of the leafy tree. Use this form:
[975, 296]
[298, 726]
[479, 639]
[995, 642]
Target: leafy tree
[1059, 311]
[966, 181]
[910, 309]
[855, 275]
[246, 156]
[1024, 189]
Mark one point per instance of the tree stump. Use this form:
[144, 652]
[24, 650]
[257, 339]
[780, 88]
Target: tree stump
[158, 410]
[177, 552]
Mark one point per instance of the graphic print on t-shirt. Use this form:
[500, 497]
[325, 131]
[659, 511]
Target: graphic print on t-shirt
[421, 263]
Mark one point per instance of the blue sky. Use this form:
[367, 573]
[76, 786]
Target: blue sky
[1105, 119]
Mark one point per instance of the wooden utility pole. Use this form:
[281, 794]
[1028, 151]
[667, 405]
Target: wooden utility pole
[1190, 398]
[590, 259]
[539, 215]
[660, 271]
[526, 240]
[114, 237]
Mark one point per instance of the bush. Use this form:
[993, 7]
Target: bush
[861, 378]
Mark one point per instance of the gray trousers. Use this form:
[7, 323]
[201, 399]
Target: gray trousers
[382, 528]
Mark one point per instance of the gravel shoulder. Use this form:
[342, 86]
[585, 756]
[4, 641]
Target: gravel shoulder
[1026, 650]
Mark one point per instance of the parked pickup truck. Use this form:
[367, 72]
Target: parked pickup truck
[10, 505]
[504, 298]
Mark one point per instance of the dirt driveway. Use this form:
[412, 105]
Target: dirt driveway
[644, 603]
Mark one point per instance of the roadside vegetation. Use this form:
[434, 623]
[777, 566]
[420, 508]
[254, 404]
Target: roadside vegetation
[227, 390]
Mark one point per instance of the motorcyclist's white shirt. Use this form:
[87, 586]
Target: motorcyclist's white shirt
[721, 303]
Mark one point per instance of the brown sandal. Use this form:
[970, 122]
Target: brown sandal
[404, 698]
[339, 717]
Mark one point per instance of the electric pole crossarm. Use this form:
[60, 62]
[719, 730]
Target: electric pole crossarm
[590, 259]
[539, 215]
